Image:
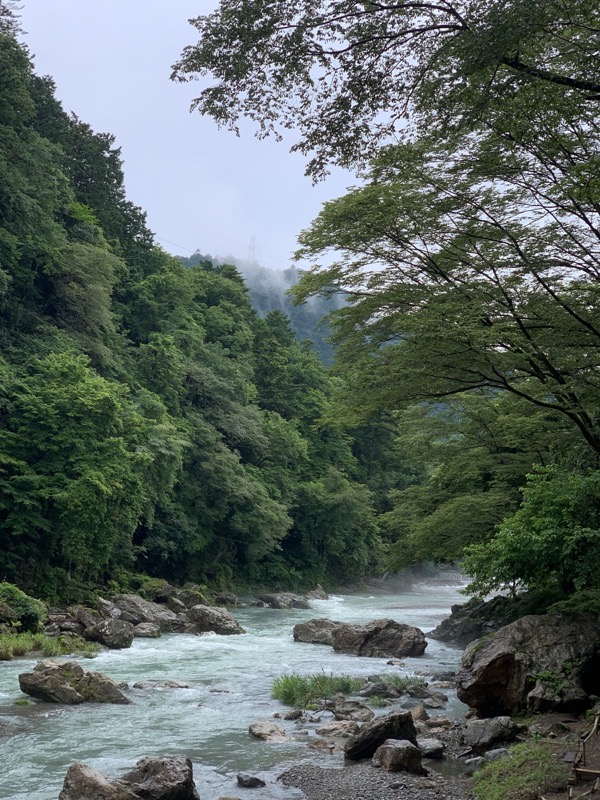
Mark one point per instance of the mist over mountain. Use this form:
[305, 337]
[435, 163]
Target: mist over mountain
[268, 289]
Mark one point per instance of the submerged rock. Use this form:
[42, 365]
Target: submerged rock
[67, 682]
[249, 781]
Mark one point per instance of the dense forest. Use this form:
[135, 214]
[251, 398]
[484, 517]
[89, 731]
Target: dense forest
[153, 422]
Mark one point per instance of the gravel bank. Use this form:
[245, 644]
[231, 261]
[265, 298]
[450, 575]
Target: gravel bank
[365, 782]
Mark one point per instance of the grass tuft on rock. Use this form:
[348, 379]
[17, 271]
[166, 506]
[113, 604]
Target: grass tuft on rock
[532, 769]
[303, 690]
[13, 645]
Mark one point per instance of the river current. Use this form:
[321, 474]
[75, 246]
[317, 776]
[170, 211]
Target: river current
[229, 679]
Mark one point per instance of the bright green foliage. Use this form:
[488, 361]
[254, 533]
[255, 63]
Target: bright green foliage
[531, 769]
[554, 538]
[20, 644]
[303, 691]
[28, 611]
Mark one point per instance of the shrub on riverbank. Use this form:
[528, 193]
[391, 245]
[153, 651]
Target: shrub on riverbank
[20, 644]
[532, 768]
[303, 690]
[20, 609]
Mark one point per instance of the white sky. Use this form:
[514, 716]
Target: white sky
[202, 188]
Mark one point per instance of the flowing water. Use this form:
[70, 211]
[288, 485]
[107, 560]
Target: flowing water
[229, 679]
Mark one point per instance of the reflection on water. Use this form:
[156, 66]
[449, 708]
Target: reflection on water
[39, 741]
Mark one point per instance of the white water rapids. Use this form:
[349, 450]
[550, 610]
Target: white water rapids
[229, 678]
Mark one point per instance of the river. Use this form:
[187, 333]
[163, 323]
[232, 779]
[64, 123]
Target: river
[229, 680]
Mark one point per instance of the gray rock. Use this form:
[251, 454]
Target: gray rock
[535, 663]
[431, 748]
[396, 725]
[85, 616]
[341, 728]
[249, 781]
[316, 631]
[108, 610]
[227, 599]
[382, 638]
[160, 685]
[85, 783]
[67, 682]
[138, 610]
[203, 619]
[473, 764]
[146, 630]
[344, 709]
[267, 730]
[114, 633]
[284, 600]
[399, 755]
[318, 593]
[472, 620]
[191, 596]
[481, 734]
[176, 606]
[169, 777]
[494, 755]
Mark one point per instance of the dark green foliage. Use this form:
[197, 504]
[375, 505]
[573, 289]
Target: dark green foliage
[149, 420]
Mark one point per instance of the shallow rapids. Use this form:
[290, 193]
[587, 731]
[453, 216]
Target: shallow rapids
[229, 680]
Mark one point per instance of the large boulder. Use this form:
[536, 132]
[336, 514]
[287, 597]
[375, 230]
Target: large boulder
[399, 755]
[284, 600]
[316, 631]
[382, 638]
[474, 619]
[57, 681]
[85, 783]
[397, 725]
[164, 778]
[114, 633]
[538, 663]
[344, 709]
[203, 619]
[482, 734]
[168, 777]
[135, 609]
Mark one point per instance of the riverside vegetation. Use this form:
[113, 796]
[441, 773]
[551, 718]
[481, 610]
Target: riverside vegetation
[154, 425]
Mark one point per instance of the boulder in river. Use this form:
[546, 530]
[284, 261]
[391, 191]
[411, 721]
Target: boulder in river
[114, 633]
[249, 781]
[342, 728]
[57, 681]
[474, 619]
[204, 619]
[284, 600]
[316, 631]
[396, 725]
[344, 709]
[382, 638]
[267, 730]
[85, 783]
[168, 777]
[136, 610]
[538, 663]
[146, 630]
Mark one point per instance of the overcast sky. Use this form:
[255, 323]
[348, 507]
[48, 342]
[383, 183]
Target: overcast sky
[202, 188]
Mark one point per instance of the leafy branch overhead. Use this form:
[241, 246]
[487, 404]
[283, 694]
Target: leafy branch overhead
[349, 77]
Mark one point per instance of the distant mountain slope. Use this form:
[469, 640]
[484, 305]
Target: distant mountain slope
[268, 292]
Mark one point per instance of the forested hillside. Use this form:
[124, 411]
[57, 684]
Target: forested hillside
[270, 290]
[150, 420]
[157, 422]
[470, 256]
